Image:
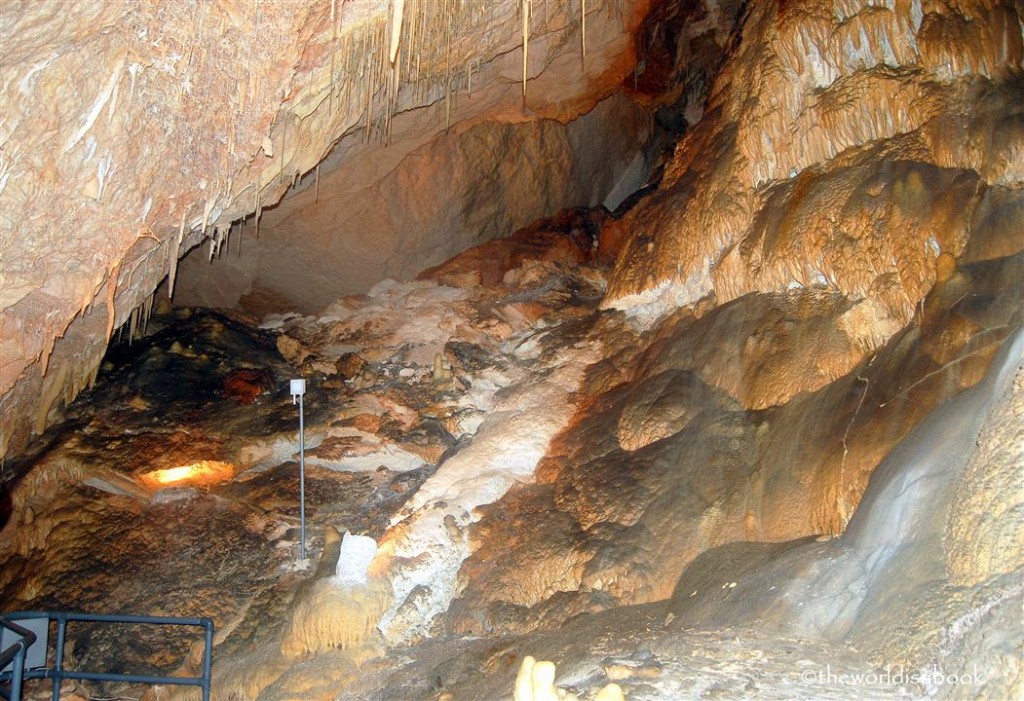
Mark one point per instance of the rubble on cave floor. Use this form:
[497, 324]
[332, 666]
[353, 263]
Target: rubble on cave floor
[637, 648]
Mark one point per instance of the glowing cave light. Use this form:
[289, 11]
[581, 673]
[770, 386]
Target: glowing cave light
[173, 474]
[204, 472]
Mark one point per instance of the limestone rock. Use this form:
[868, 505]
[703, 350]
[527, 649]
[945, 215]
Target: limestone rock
[786, 190]
[983, 536]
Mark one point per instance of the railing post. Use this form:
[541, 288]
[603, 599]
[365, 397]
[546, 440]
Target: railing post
[18, 670]
[58, 662]
[208, 659]
[17, 653]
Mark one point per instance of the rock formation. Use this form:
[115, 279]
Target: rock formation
[133, 134]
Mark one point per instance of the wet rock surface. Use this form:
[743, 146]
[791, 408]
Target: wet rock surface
[664, 465]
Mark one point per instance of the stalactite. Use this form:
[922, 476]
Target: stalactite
[147, 312]
[131, 326]
[524, 9]
[411, 40]
[369, 104]
[173, 252]
[316, 191]
[447, 67]
[207, 210]
[393, 78]
[583, 29]
[258, 209]
[95, 369]
[284, 143]
[331, 78]
[397, 9]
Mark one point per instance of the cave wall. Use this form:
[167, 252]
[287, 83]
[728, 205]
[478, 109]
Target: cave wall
[462, 188]
[849, 147]
[131, 133]
[835, 246]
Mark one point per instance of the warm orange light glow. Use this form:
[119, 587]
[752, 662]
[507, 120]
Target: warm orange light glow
[173, 474]
[204, 472]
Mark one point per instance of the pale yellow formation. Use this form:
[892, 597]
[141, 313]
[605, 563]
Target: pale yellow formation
[612, 692]
[535, 681]
[523, 690]
[329, 616]
[397, 10]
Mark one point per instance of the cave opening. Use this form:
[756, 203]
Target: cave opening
[654, 349]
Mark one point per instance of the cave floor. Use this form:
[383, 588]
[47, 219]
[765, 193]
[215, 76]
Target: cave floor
[649, 660]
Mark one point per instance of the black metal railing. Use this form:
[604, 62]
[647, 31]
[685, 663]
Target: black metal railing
[16, 652]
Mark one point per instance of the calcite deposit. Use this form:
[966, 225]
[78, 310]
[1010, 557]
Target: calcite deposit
[833, 130]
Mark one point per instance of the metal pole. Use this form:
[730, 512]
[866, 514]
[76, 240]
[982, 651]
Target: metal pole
[17, 670]
[298, 389]
[208, 658]
[302, 480]
[58, 662]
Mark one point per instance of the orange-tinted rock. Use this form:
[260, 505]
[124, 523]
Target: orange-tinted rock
[246, 385]
[758, 420]
[832, 131]
[568, 238]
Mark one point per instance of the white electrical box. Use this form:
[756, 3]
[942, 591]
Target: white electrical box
[298, 388]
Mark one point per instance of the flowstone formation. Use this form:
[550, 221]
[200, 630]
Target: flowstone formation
[194, 419]
[831, 128]
[528, 467]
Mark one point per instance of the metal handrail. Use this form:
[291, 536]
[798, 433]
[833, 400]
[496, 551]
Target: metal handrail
[16, 653]
[58, 674]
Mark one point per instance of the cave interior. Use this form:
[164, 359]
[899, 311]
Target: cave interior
[653, 349]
